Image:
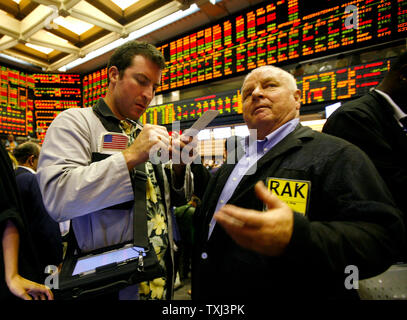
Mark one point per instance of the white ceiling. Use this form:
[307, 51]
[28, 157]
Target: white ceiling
[33, 22]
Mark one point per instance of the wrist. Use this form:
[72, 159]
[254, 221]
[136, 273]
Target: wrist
[130, 159]
[10, 277]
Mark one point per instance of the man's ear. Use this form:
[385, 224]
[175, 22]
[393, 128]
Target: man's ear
[114, 74]
[30, 160]
[297, 97]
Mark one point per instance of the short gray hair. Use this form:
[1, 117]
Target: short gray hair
[290, 78]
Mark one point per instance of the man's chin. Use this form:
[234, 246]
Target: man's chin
[136, 114]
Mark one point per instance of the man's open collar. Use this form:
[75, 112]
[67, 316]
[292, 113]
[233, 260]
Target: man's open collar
[103, 109]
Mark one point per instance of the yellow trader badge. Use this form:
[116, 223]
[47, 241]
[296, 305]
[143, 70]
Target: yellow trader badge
[293, 192]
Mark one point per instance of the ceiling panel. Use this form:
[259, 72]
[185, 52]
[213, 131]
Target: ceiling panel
[43, 23]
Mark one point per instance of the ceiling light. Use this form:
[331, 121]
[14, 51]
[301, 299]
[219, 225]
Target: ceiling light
[73, 24]
[17, 1]
[135, 35]
[163, 22]
[39, 48]
[10, 58]
[123, 4]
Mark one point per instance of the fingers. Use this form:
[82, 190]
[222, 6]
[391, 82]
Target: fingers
[236, 216]
[233, 216]
[152, 138]
[40, 292]
[49, 294]
[268, 198]
[183, 149]
[29, 290]
[154, 134]
[25, 296]
[160, 135]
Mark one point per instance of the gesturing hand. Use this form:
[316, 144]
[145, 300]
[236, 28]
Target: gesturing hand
[266, 232]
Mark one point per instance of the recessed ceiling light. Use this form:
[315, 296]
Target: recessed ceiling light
[73, 24]
[123, 4]
[39, 48]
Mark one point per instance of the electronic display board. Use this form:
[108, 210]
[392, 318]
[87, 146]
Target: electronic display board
[53, 94]
[228, 103]
[94, 86]
[16, 102]
[278, 32]
[343, 83]
[333, 85]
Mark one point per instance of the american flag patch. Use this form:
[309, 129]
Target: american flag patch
[114, 141]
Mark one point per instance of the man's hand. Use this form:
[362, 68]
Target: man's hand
[183, 149]
[151, 138]
[267, 232]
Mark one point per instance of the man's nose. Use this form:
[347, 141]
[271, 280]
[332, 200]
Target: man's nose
[148, 92]
[258, 92]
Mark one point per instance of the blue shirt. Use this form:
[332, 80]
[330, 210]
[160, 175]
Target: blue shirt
[247, 164]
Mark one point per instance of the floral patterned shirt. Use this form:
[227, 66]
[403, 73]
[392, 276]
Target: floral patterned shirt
[156, 223]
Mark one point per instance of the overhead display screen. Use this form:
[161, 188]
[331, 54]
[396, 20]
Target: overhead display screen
[343, 83]
[53, 94]
[228, 103]
[94, 87]
[16, 102]
[333, 85]
[279, 32]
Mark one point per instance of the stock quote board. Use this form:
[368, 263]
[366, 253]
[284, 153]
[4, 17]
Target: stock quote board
[324, 87]
[228, 103]
[53, 94]
[16, 102]
[279, 32]
[343, 83]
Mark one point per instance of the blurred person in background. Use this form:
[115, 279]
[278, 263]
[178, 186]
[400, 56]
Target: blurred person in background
[44, 230]
[20, 271]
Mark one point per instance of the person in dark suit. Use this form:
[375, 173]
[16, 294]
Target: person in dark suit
[45, 231]
[325, 215]
[375, 124]
[20, 275]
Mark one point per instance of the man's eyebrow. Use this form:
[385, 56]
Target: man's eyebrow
[270, 79]
[143, 75]
[157, 84]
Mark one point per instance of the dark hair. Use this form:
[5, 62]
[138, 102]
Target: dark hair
[23, 151]
[123, 56]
